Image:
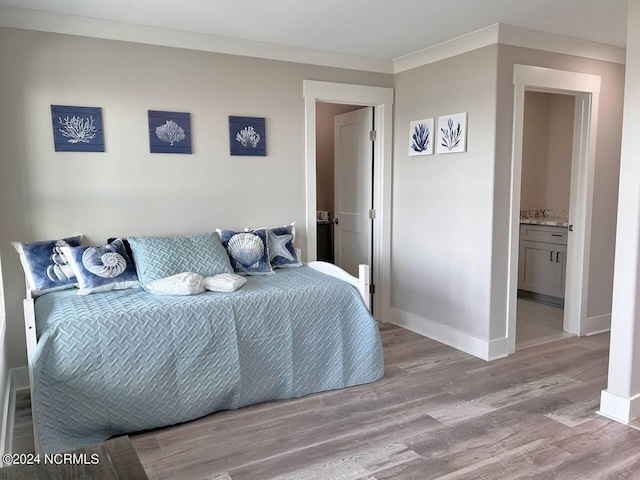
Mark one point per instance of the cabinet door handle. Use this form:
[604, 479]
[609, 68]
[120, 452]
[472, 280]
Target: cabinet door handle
[556, 234]
[551, 256]
[558, 257]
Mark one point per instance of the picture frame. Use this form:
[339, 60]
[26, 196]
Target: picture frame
[421, 137]
[77, 129]
[452, 133]
[169, 132]
[247, 136]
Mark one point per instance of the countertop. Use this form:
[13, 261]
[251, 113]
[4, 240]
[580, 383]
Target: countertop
[554, 217]
[554, 222]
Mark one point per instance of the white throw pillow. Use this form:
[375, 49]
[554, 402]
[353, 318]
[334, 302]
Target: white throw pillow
[225, 282]
[187, 283]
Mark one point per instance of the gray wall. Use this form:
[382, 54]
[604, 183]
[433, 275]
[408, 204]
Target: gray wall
[128, 191]
[547, 147]
[442, 204]
[605, 182]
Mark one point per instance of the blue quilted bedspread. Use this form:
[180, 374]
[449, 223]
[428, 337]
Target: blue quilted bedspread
[124, 361]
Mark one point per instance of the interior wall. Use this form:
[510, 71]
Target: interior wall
[561, 119]
[442, 204]
[547, 146]
[535, 150]
[607, 167]
[325, 112]
[126, 190]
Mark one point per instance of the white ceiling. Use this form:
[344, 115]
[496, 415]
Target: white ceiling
[385, 29]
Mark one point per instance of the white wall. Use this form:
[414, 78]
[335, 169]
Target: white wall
[442, 204]
[621, 400]
[127, 190]
[325, 113]
[605, 181]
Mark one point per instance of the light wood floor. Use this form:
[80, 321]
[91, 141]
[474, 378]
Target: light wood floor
[437, 414]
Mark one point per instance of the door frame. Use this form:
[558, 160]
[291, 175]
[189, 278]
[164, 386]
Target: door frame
[381, 98]
[586, 90]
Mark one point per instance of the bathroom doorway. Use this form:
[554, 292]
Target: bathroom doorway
[547, 152]
[585, 90]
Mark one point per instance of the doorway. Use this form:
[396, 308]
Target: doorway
[344, 174]
[381, 98]
[547, 148]
[585, 90]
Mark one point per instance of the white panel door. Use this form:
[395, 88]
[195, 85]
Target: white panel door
[353, 175]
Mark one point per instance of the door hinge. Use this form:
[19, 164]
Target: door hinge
[372, 289]
[372, 135]
[372, 213]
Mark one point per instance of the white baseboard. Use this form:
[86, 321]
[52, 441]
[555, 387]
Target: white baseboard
[17, 379]
[617, 408]
[599, 324]
[8, 406]
[484, 349]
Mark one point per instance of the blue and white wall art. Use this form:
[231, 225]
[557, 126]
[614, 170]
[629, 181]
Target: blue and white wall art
[169, 132]
[421, 137]
[77, 129]
[247, 136]
[452, 133]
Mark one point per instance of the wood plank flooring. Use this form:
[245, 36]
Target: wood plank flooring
[437, 414]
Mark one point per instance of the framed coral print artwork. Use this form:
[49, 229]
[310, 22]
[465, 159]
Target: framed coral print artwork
[452, 133]
[421, 137]
[247, 136]
[169, 132]
[77, 129]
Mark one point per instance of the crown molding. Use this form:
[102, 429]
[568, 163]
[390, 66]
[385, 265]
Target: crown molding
[494, 34]
[456, 46]
[91, 27]
[524, 37]
[504, 34]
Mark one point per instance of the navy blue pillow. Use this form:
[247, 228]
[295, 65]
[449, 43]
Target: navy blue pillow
[45, 265]
[248, 251]
[103, 268]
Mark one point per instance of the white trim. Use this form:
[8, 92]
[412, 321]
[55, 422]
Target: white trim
[586, 89]
[599, 324]
[456, 46]
[10, 416]
[12, 17]
[17, 379]
[504, 34]
[382, 99]
[617, 408]
[484, 349]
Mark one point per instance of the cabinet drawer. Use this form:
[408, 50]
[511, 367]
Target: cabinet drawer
[544, 233]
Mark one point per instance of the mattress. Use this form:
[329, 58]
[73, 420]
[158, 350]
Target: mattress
[124, 361]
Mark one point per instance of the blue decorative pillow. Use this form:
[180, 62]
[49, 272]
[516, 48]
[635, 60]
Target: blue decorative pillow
[103, 268]
[248, 251]
[46, 266]
[282, 253]
[162, 257]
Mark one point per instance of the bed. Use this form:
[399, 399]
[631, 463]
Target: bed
[124, 361]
